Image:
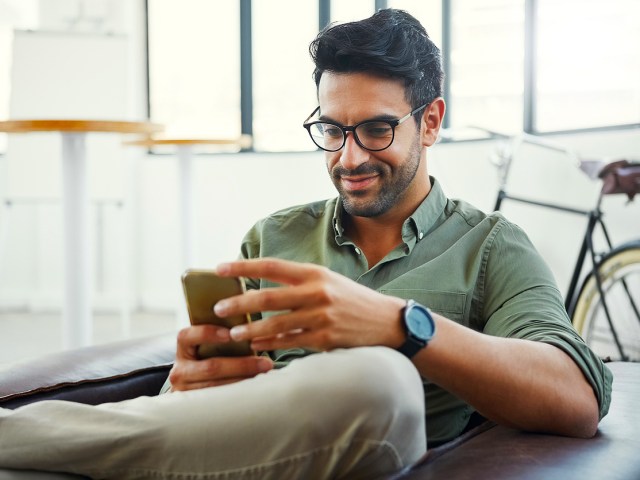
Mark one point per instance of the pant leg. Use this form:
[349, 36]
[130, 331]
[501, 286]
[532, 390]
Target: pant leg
[356, 413]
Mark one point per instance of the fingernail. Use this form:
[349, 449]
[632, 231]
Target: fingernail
[221, 307]
[238, 333]
[264, 364]
[222, 334]
[222, 268]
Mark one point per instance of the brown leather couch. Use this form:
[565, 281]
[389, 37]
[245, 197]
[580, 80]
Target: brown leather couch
[139, 367]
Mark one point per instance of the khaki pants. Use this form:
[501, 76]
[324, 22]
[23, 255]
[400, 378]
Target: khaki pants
[354, 413]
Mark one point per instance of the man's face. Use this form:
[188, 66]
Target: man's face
[371, 183]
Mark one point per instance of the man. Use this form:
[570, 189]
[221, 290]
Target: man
[417, 301]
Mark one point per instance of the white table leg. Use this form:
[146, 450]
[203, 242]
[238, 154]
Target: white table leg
[77, 318]
[5, 219]
[185, 159]
[185, 156]
[130, 244]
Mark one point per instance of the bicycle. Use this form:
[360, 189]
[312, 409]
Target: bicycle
[605, 310]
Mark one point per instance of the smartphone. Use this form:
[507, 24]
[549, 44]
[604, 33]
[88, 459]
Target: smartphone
[202, 290]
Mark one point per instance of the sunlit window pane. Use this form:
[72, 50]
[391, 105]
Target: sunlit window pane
[350, 10]
[588, 56]
[487, 64]
[194, 67]
[284, 92]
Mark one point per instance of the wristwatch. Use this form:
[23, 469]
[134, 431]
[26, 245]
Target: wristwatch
[420, 328]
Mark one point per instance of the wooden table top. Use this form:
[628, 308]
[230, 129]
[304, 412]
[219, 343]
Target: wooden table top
[243, 141]
[53, 125]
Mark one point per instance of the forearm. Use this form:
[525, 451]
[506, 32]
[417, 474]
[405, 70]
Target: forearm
[520, 383]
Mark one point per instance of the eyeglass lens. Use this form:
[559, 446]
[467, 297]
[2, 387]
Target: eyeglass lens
[371, 135]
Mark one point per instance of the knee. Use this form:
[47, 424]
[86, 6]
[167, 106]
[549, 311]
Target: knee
[378, 375]
[376, 382]
[388, 381]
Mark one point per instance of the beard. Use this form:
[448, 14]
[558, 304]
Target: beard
[394, 184]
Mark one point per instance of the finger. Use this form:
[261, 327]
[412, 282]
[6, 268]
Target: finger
[318, 340]
[277, 270]
[216, 369]
[199, 385]
[279, 325]
[264, 300]
[296, 339]
[190, 337]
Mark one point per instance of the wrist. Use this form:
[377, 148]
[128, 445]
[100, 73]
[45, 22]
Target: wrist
[397, 332]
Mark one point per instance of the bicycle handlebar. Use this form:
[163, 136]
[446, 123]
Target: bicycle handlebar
[508, 145]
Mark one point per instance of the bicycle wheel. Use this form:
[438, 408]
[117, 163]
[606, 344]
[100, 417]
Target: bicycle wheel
[620, 276]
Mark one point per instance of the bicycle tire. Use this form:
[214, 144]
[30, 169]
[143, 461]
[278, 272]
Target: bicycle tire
[619, 268]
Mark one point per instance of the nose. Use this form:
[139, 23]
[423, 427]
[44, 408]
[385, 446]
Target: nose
[352, 155]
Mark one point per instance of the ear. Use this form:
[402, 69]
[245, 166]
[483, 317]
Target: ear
[431, 121]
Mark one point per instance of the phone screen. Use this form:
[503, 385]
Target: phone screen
[202, 290]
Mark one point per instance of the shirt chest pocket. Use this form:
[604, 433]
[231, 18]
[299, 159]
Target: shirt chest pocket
[447, 304]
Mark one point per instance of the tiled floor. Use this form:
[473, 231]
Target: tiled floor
[26, 335]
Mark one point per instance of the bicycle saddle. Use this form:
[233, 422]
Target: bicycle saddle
[621, 176]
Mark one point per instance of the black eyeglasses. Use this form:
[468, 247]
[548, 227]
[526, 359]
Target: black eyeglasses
[373, 135]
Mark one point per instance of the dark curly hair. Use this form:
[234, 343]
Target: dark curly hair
[390, 43]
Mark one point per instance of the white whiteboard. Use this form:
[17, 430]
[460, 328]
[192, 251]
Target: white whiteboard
[68, 75]
[65, 75]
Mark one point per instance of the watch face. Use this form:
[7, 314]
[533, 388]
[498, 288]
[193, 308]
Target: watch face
[420, 323]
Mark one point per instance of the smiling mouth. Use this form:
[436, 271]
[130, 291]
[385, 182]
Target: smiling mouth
[357, 183]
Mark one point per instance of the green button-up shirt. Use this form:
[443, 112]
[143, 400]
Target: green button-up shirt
[478, 270]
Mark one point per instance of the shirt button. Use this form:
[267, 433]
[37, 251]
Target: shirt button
[420, 235]
[358, 251]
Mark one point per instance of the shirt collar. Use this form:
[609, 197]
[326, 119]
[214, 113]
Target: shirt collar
[416, 226]
[338, 229]
[422, 221]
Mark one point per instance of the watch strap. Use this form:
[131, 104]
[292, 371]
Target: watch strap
[413, 344]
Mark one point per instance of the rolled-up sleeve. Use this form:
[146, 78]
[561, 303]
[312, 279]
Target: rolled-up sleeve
[522, 301]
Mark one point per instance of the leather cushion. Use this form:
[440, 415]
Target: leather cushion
[503, 453]
[93, 375]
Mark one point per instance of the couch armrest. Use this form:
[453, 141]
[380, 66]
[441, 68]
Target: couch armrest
[92, 375]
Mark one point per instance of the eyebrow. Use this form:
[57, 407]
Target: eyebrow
[382, 117]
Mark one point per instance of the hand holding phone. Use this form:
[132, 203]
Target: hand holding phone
[202, 290]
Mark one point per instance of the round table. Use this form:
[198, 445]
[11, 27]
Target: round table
[78, 284]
